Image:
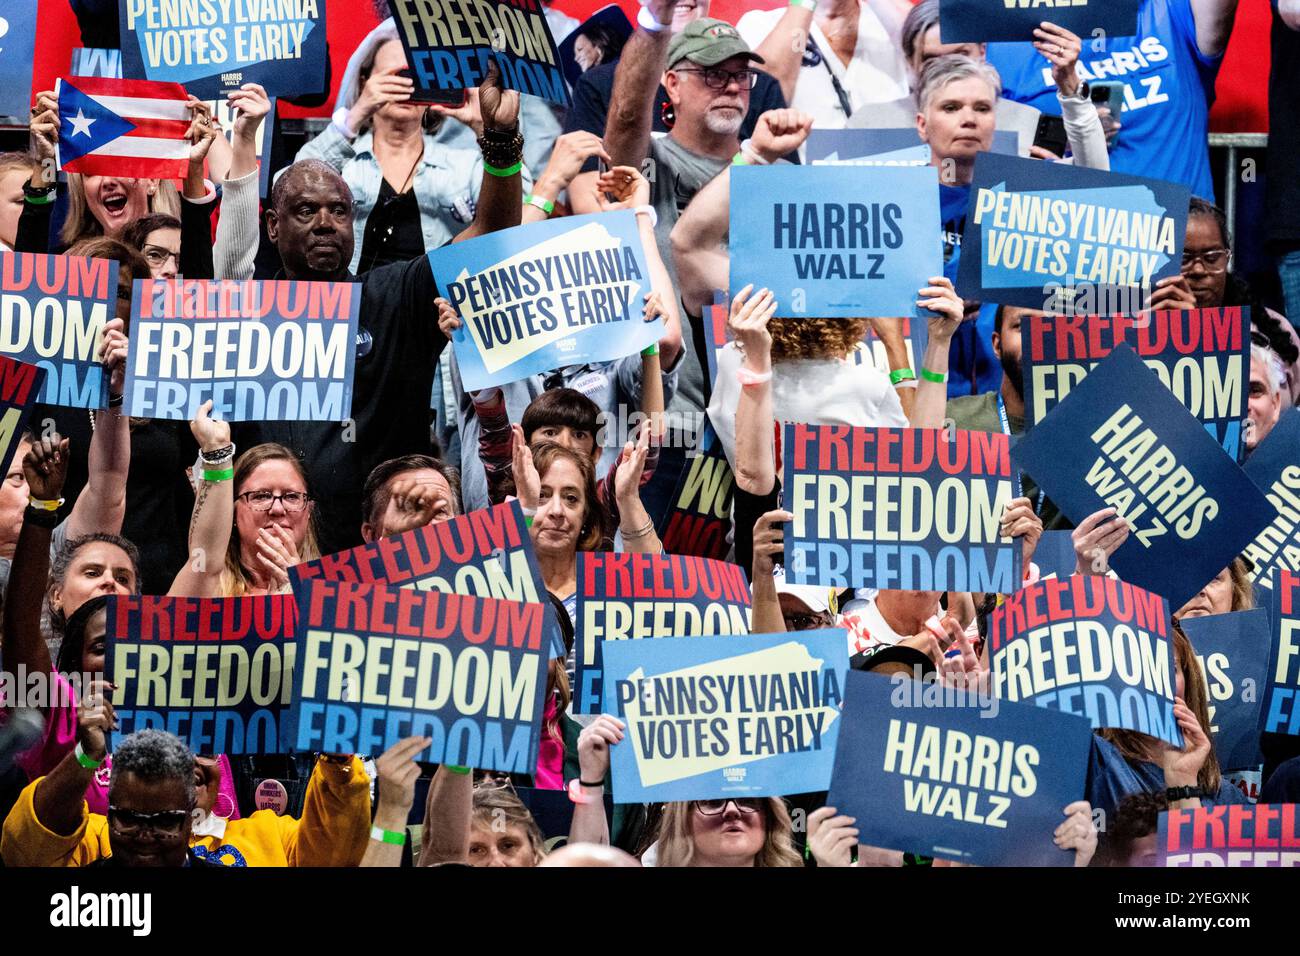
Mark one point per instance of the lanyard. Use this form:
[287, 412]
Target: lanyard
[845, 103]
[1006, 430]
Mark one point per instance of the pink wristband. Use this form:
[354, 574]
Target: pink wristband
[746, 377]
[576, 794]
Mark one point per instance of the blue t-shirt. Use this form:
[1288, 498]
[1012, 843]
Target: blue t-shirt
[1112, 777]
[1169, 87]
[972, 366]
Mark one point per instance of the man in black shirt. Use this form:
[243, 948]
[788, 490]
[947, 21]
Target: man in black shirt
[398, 342]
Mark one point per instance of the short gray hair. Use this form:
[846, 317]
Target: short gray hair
[942, 70]
[153, 755]
[1272, 366]
[916, 25]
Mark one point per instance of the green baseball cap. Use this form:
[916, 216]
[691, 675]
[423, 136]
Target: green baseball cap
[708, 42]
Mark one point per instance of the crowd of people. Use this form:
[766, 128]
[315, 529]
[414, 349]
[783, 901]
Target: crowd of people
[99, 505]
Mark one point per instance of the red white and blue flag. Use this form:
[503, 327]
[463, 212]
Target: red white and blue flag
[128, 128]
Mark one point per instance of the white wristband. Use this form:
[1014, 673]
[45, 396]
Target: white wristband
[649, 211]
[646, 21]
[751, 154]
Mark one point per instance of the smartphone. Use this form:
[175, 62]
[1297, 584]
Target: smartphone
[1110, 94]
[1050, 134]
[453, 98]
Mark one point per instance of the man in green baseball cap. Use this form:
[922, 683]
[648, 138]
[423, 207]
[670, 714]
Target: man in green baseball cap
[710, 75]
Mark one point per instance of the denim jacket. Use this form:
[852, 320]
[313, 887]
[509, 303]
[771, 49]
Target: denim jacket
[446, 183]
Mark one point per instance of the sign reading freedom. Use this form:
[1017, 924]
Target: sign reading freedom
[625, 597]
[1201, 355]
[449, 44]
[712, 717]
[216, 672]
[1088, 645]
[1120, 439]
[992, 21]
[538, 297]
[378, 664]
[860, 244]
[956, 781]
[214, 46]
[1230, 835]
[52, 315]
[1066, 239]
[261, 351]
[1281, 706]
[898, 508]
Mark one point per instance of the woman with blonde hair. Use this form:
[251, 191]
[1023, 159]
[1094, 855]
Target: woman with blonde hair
[256, 511]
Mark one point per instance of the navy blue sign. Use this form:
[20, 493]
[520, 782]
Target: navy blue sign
[1121, 439]
[990, 21]
[261, 351]
[1233, 651]
[1275, 470]
[216, 672]
[449, 45]
[883, 147]
[377, 664]
[1282, 696]
[1090, 645]
[1063, 238]
[956, 782]
[212, 48]
[20, 386]
[911, 508]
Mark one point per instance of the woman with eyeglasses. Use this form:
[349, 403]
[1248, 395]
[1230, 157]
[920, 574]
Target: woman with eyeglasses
[255, 510]
[742, 831]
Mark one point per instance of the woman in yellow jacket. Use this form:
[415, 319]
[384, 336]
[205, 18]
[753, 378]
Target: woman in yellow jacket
[151, 818]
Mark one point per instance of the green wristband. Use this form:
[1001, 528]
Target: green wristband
[460, 770]
[901, 375]
[39, 200]
[806, 4]
[929, 376]
[90, 763]
[224, 475]
[503, 173]
[651, 349]
[542, 203]
[739, 159]
[395, 837]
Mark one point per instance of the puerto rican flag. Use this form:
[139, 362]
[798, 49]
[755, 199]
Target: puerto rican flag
[128, 128]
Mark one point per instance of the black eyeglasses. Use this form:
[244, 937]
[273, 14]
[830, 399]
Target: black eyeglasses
[717, 79]
[293, 501]
[807, 622]
[157, 256]
[711, 808]
[166, 823]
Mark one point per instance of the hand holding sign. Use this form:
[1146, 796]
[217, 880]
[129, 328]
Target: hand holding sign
[593, 747]
[398, 771]
[1078, 833]
[1021, 521]
[44, 128]
[1172, 293]
[946, 306]
[1061, 47]
[1096, 538]
[1182, 765]
[831, 837]
[251, 105]
[381, 88]
[211, 433]
[95, 718]
[202, 132]
[769, 541]
[748, 325]
[627, 187]
[113, 355]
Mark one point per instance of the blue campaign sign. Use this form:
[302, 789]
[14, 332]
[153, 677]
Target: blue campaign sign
[1233, 651]
[1281, 703]
[1121, 439]
[1054, 555]
[628, 597]
[992, 21]
[260, 350]
[1067, 239]
[212, 48]
[216, 672]
[859, 243]
[910, 508]
[1201, 355]
[52, 315]
[1274, 469]
[608, 19]
[711, 717]
[1089, 645]
[450, 45]
[484, 553]
[539, 297]
[17, 52]
[883, 147]
[959, 782]
[377, 664]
